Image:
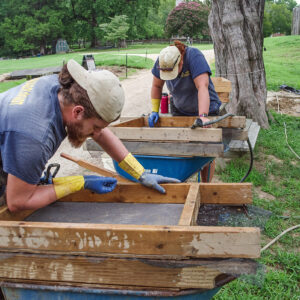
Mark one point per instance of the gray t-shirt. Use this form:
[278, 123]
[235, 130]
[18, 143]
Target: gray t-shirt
[183, 89]
[31, 127]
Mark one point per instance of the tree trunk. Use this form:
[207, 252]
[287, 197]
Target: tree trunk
[237, 34]
[296, 21]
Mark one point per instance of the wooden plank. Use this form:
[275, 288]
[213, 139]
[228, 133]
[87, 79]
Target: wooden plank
[18, 74]
[174, 122]
[221, 84]
[134, 193]
[237, 134]
[168, 134]
[5, 214]
[128, 240]
[191, 207]
[224, 97]
[136, 122]
[211, 193]
[94, 168]
[167, 149]
[109, 271]
[226, 193]
[240, 147]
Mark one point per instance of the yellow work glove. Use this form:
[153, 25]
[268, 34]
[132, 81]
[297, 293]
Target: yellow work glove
[64, 186]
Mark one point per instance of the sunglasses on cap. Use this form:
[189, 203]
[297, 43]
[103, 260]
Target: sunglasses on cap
[169, 69]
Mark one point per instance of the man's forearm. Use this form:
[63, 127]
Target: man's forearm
[203, 100]
[112, 145]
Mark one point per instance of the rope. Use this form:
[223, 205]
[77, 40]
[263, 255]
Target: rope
[278, 237]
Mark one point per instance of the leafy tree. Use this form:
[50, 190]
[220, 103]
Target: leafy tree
[188, 19]
[278, 17]
[116, 30]
[289, 4]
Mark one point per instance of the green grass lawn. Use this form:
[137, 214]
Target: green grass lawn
[276, 173]
[282, 61]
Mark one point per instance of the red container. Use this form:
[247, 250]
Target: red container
[164, 103]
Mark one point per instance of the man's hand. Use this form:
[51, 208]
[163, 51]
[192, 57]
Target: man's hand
[153, 118]
[98, 184]
[153, 180]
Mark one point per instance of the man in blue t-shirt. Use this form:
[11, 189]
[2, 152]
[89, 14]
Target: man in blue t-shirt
[187, 75]
[36, 116]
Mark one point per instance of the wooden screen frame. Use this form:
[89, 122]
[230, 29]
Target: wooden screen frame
[107, 255]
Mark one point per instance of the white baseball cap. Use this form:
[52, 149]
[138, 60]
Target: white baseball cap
[103, 88]
[168, 60]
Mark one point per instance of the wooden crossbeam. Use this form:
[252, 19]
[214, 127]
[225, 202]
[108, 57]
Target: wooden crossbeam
[168, 134]
[182, 121]
[167, 149]
[191, 207]
[128, 240]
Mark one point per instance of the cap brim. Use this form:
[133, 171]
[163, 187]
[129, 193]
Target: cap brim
[169, 75]
[79, 74]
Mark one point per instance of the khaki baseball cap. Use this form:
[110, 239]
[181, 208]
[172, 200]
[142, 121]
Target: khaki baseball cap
[169, 59]
[103, 88]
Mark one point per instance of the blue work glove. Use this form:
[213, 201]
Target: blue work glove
[153, 180]
[153, 118]
[98, 184]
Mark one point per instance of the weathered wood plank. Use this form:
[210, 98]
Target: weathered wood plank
[5, 214]
[137, 122]
[167, 149]
[109, 271]
[168, 134]
[211, 193]
[187, 122]
[142, 240]
[134, 193]
[221, 84]
[226, 193]
[89, 166]
[191, 207]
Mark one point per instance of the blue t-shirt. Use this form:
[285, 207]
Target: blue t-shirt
[31, 127]
[183, 89]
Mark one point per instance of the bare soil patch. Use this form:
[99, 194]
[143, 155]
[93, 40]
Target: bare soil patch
[284, 102]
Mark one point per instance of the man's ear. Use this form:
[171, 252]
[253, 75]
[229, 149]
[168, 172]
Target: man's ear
[78, 112]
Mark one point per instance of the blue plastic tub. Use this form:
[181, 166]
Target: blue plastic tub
[177, 167]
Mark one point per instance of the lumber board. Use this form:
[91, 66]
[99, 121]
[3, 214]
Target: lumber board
[168, 134]
[191, 207]
[221, 84]
[134, 193]
[226, 193]
[89, 166]
[5, 214]
[107, 271]
[237, 134]
[211, 193]
[240, 147]
[183, 121]
[142, 240]
[167, 149]
[136, 122]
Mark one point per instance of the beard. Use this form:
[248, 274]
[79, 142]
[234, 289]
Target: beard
[75, 135]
